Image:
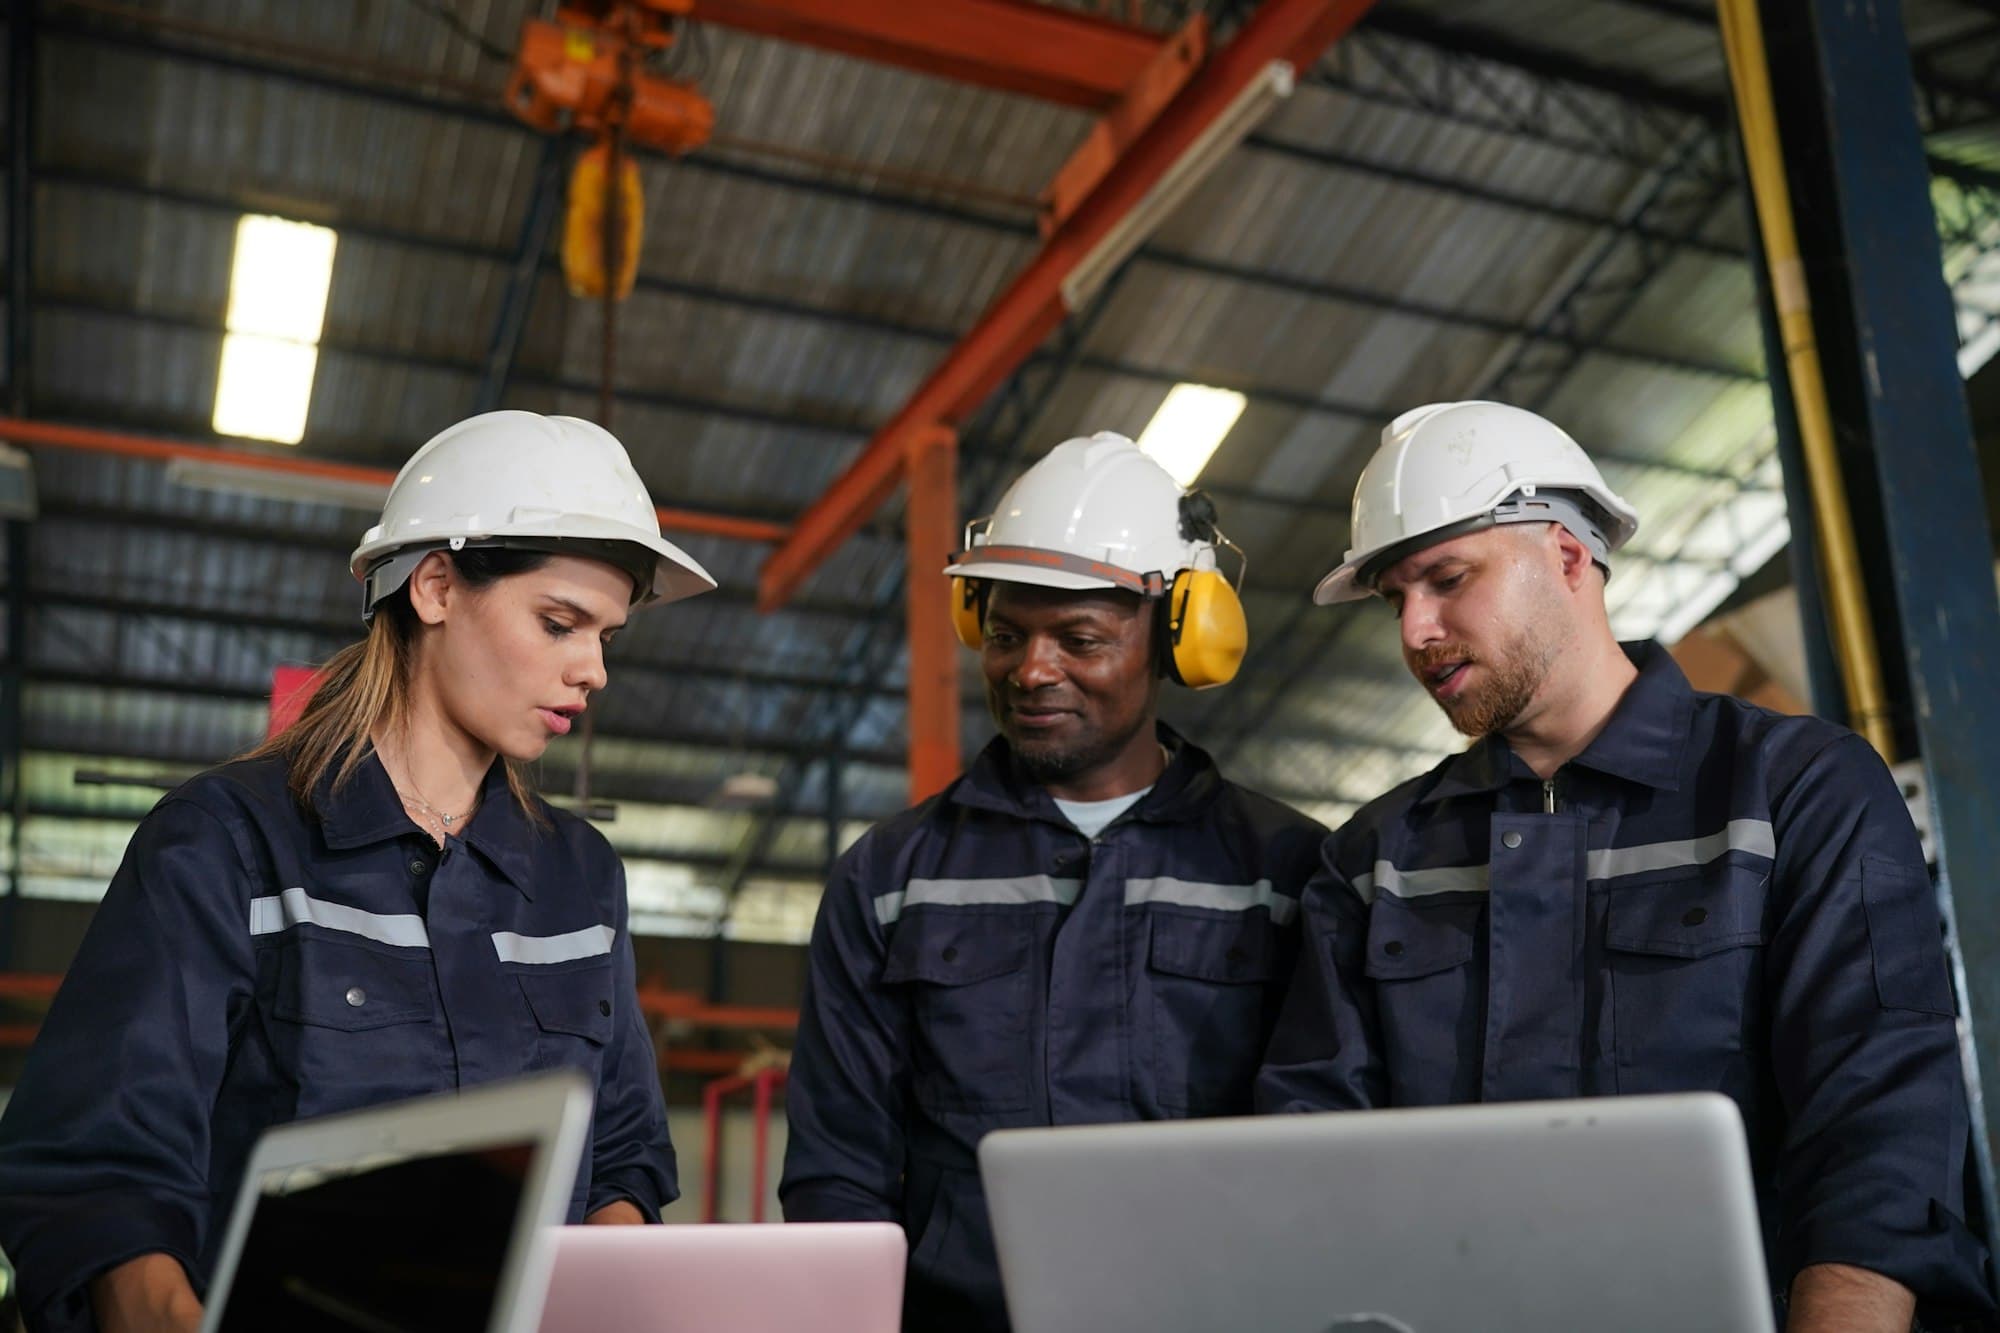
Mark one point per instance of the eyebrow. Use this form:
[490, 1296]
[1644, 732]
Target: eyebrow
[578, 610]
[1423, 573]
[1075, 620]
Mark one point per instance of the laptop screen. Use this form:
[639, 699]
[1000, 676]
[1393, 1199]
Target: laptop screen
[380, 1245]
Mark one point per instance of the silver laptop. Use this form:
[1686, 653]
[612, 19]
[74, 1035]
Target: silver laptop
[1628, 1213]
[420, 1215]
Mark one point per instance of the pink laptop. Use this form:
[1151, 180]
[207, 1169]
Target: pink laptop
[828, 1277]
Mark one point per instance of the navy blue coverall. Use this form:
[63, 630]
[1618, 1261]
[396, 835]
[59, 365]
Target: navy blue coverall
[979, 964]
[254, 964]
[1710, 897]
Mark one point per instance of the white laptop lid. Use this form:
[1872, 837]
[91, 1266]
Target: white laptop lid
[419, 1215]
[1632, 1213]
[829, 1277]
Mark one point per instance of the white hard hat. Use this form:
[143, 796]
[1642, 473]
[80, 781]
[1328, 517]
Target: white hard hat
[1094, 513]
[520, 479]
[1450, 468]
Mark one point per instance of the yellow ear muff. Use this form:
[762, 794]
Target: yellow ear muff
[968, 611]
[1206, 631]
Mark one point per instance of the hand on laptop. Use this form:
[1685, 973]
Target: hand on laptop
[619, 1214]
[150, 1294]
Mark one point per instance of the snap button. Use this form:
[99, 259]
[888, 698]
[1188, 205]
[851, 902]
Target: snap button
[1394, 948]
[1510, 840]
[950, 954]
[1695, 916]
[604, 1007]
[419, 867]
[356, 996]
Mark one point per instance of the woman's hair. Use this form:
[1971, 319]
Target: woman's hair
[365, 687]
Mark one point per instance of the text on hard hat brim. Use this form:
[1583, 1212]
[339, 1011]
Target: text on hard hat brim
[1051, 569]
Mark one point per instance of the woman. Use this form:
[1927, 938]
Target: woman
[371, 906]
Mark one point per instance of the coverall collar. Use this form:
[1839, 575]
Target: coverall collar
[996, 781]
[366, 810]
[1644, 741]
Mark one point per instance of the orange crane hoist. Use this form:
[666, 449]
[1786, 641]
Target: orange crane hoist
[586, 71]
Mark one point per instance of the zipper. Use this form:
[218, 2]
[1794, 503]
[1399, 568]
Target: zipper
[1548, 796]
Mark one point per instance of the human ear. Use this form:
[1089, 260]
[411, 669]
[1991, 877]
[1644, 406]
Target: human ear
[1575, 558]
[431, 585]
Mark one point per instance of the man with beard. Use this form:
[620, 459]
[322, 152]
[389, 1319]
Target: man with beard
[1624, 886]
[1089, 925]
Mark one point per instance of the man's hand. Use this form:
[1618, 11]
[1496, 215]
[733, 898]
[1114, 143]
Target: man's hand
[623, 1213]
[1839, 1298]
[150, 1294]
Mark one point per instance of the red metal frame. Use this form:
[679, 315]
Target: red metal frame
[1013, 45]
[761, 1085]
[1174, 62]
[292, 689]
[1031, 306]
[931, 533]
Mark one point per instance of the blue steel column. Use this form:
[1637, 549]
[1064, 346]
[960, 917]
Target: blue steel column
[1856, 157]
[510, 322]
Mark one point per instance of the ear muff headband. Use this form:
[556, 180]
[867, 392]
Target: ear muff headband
[1206, 633]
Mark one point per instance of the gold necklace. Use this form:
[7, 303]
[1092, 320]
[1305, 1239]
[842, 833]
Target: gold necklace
[444, 820]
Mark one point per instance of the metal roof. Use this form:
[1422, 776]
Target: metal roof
[1517, 198]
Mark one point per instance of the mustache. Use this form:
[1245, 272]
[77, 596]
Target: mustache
[1425, 660]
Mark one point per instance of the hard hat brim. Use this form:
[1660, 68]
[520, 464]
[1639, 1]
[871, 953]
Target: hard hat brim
[675, 573]
[1342, 585]
[1001, 571]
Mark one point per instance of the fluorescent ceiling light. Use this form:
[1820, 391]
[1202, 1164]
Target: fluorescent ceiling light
[278, 285]
[1268, 87]
[264, 388]
[1190, 424]
[236, 479]
[277, 307]
[17, 484]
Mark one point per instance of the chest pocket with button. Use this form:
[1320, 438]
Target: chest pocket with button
[1684, 960]
[1429, 997]
[572, 1006]
[351, 1022]
[968, 975]
[1211, 976]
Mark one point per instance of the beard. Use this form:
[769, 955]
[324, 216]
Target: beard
[1052, 761]
[1514, 674]
[1056, 759]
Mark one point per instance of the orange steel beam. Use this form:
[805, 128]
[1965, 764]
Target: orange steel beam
[1151, 91]
[29, 985]
[49, 435]
[931, 533]
[1295, 31]
[1015, 46]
